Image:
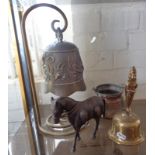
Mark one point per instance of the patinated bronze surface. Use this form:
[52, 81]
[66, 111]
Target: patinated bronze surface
[62, 65]
[63, 69]
[79, 112]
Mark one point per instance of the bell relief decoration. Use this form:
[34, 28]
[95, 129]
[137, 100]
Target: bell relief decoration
[62, 69]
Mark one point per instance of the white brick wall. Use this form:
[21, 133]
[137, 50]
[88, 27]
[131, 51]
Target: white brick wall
[87, 21]
[120, 19]
[128, 58]
[142, 24]
[111, 39]
[88, 42]
[97, 60]
[115, 40]
[137, 40]
[117, 31]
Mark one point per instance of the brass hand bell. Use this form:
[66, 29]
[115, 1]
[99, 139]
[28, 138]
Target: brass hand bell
[126, 125]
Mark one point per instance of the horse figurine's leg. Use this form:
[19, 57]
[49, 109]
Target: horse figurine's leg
[96, 127]
[76, 136]
[97, 116]
[79, 138]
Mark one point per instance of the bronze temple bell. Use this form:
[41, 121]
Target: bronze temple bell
[62, 65]
[126, 125]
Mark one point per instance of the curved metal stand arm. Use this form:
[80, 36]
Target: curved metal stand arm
[52, 24]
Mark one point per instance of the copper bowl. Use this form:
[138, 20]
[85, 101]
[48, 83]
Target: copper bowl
[112, 94]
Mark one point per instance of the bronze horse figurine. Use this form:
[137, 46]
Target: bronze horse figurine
[80, 112]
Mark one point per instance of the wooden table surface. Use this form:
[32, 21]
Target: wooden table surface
[102, 145]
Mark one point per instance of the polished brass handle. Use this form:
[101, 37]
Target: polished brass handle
[130, 87]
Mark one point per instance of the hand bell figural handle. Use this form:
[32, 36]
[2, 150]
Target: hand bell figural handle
[130, 88]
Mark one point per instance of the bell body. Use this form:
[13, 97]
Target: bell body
[126, 129]
[63, 69]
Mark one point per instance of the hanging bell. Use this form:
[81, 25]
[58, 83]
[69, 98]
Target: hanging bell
[126, 125]
[63, 71]
[62, 65]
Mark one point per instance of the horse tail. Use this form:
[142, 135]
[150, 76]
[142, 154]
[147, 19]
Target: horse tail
[103, 106]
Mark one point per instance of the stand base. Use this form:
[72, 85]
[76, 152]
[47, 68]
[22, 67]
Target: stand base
[63, 128]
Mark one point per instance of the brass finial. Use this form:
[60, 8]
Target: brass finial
[130, 87]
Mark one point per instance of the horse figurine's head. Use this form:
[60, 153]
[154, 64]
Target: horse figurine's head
[62, 104]
[58, 110]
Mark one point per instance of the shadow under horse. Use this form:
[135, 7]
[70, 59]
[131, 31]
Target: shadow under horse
[79, 112]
